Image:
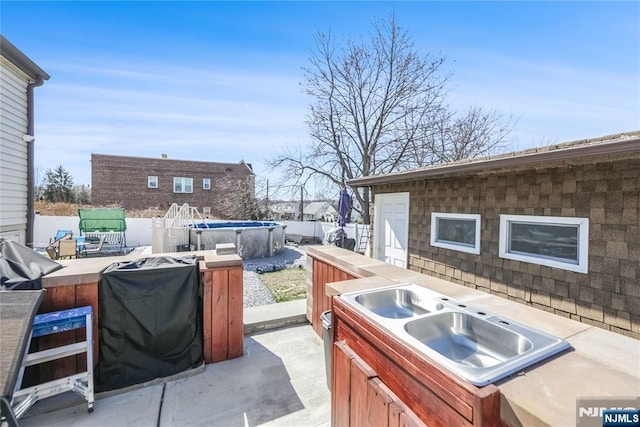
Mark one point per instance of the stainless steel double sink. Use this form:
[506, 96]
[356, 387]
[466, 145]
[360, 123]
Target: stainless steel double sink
[477, 345]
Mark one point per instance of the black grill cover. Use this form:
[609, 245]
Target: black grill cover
[150, 320]
[22, 268]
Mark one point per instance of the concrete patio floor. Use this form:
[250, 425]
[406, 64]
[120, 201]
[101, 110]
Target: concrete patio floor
[280, 381]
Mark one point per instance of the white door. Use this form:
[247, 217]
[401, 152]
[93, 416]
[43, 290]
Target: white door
[391, 217]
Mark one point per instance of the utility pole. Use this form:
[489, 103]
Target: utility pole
[267, 207]
[301, 203]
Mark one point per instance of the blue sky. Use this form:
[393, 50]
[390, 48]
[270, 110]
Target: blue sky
[220, 81]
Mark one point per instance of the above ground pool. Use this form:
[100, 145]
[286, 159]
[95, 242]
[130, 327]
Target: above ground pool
[253, 239]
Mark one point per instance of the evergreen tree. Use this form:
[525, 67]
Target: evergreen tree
[59, 185]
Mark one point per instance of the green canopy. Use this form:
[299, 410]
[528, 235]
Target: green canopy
[102, 220]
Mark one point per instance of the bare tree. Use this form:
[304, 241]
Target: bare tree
[262, 193]
[82, 194]
[379, 107]
[40, 182]
[457, 137]
[240, 204]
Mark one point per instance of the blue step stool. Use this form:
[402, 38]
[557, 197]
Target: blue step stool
[81, 383]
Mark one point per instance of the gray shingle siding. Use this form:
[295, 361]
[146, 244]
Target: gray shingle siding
[607, 191]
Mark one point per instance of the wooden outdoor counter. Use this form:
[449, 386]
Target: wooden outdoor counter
[89, 270]
[76, 285]
[600, 364]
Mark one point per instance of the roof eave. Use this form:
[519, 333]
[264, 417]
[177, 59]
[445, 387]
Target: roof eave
[516, 160]
[248, 167]
[22, 61]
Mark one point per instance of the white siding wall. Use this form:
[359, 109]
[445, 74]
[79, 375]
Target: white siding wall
[13, 152]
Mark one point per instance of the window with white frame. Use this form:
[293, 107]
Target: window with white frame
[559, 242]
[206, 210]
[182, 185]
[206, 183]
[459, 232]
[152, 182]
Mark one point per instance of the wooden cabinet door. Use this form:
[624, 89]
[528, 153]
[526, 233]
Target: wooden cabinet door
[359, 398]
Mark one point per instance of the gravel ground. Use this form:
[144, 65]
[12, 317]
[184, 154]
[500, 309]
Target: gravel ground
[289, 257]
[255, 292]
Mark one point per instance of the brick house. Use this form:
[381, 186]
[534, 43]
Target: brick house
[141, 183]
[557, 227]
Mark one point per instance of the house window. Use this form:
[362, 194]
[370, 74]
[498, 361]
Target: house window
[546, 240]
[458, 232]
[152, 182]
[183, 185]
[206, 210]
[206, 183]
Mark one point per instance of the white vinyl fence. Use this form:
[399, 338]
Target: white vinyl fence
[359, 232]
[139, 229]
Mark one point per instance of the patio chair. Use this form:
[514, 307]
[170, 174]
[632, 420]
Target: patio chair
[95, 250]
[60, 234]
[67, 248]
[81, 242]
[53, 250]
